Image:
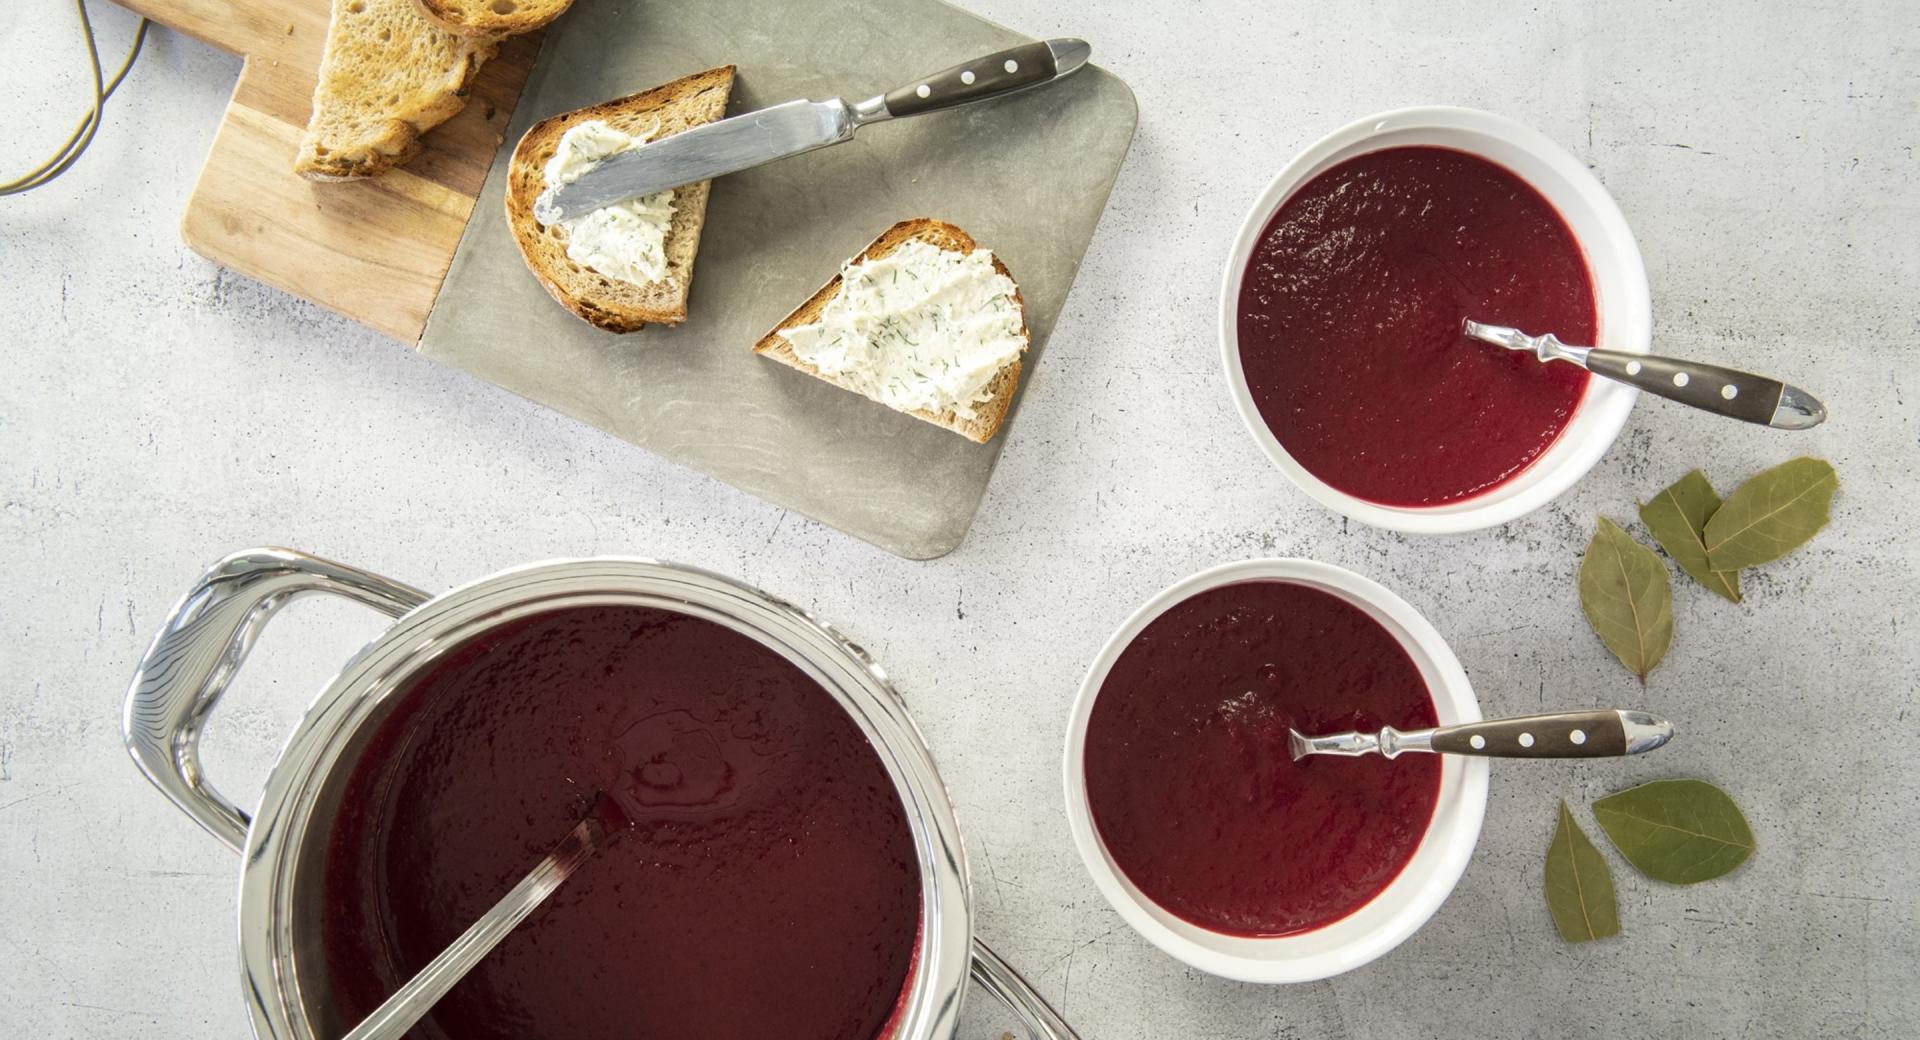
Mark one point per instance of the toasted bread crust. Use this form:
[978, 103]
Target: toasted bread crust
[388, 76]
[988, 415]
[486, 17]
[609, 303]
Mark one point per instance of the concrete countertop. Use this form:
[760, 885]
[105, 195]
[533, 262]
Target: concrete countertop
[157, 413]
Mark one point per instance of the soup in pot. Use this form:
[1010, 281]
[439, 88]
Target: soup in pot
[768, 885]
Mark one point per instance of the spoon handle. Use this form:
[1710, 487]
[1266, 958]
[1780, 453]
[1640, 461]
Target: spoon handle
[1724, 391]
[1567, 734]
[410, 1002]
[1730, 392]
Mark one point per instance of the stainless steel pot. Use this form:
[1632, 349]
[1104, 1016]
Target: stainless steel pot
[283, 973]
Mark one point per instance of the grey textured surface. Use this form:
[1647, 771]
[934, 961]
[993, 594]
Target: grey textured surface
[1027, 176]
[156, 413]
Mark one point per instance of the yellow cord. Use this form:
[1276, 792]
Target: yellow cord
[82, 135]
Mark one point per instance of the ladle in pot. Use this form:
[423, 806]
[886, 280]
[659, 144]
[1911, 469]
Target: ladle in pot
[602, 826]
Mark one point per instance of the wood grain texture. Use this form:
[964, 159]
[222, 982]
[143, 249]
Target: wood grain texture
[375, 250]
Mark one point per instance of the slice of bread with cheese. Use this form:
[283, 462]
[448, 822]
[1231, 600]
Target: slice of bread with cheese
[913, 322]
[492, 17]
[388, 76]
[608, 294]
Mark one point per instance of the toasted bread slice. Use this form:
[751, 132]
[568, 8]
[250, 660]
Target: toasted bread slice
[988, 415]
[610, 303]
[492, 17]
[387, 77]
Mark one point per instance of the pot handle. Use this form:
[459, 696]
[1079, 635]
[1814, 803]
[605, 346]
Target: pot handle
[998, 978]
[206, 637]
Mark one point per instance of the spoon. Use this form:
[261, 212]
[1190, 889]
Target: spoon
[1564, 734]
[670, 764]
[1710, 388]
[603, 825]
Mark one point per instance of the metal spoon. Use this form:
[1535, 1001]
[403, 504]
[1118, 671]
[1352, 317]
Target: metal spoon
[391, 1020]
[1710, 388]
[1565, 734]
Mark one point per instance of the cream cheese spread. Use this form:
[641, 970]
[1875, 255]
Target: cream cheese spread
[919, 329]
[627, 240]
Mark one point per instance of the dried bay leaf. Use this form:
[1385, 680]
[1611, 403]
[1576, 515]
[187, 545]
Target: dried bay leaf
[1678, 831]
[1579, 886]
[1677, 519]
[1771, 515]
[1627, 598]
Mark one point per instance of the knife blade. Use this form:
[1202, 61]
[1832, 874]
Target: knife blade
[756, 138]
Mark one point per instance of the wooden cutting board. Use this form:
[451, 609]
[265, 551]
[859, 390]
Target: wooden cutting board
[375, 250]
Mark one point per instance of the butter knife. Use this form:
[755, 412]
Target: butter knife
[756, 138]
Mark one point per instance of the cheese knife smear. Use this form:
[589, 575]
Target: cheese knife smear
[768, 886]
[1190, 781]
[919, 329]
[627, 240]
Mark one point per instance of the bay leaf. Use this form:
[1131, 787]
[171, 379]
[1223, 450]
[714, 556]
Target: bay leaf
[1579, 886]
[1677, 519]
[1771, 515]
[1627, 598]
[1679, 831]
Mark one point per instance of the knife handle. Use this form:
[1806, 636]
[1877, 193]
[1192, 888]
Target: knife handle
[990, 76]
[1730, 392]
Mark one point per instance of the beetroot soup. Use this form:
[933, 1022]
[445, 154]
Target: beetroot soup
[1350, 317]
[1189, 778]
[768, 887]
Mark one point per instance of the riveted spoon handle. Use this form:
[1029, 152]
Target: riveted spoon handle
[1730, 392]
[1567, 734]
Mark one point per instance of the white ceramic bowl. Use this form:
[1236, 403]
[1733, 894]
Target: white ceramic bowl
[1400, 908]
[1613, 261]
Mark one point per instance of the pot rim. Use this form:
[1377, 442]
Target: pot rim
[268, 945]
[1392, 915]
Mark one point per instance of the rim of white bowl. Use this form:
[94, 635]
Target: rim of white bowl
[1625, 318]
[1398, 910]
